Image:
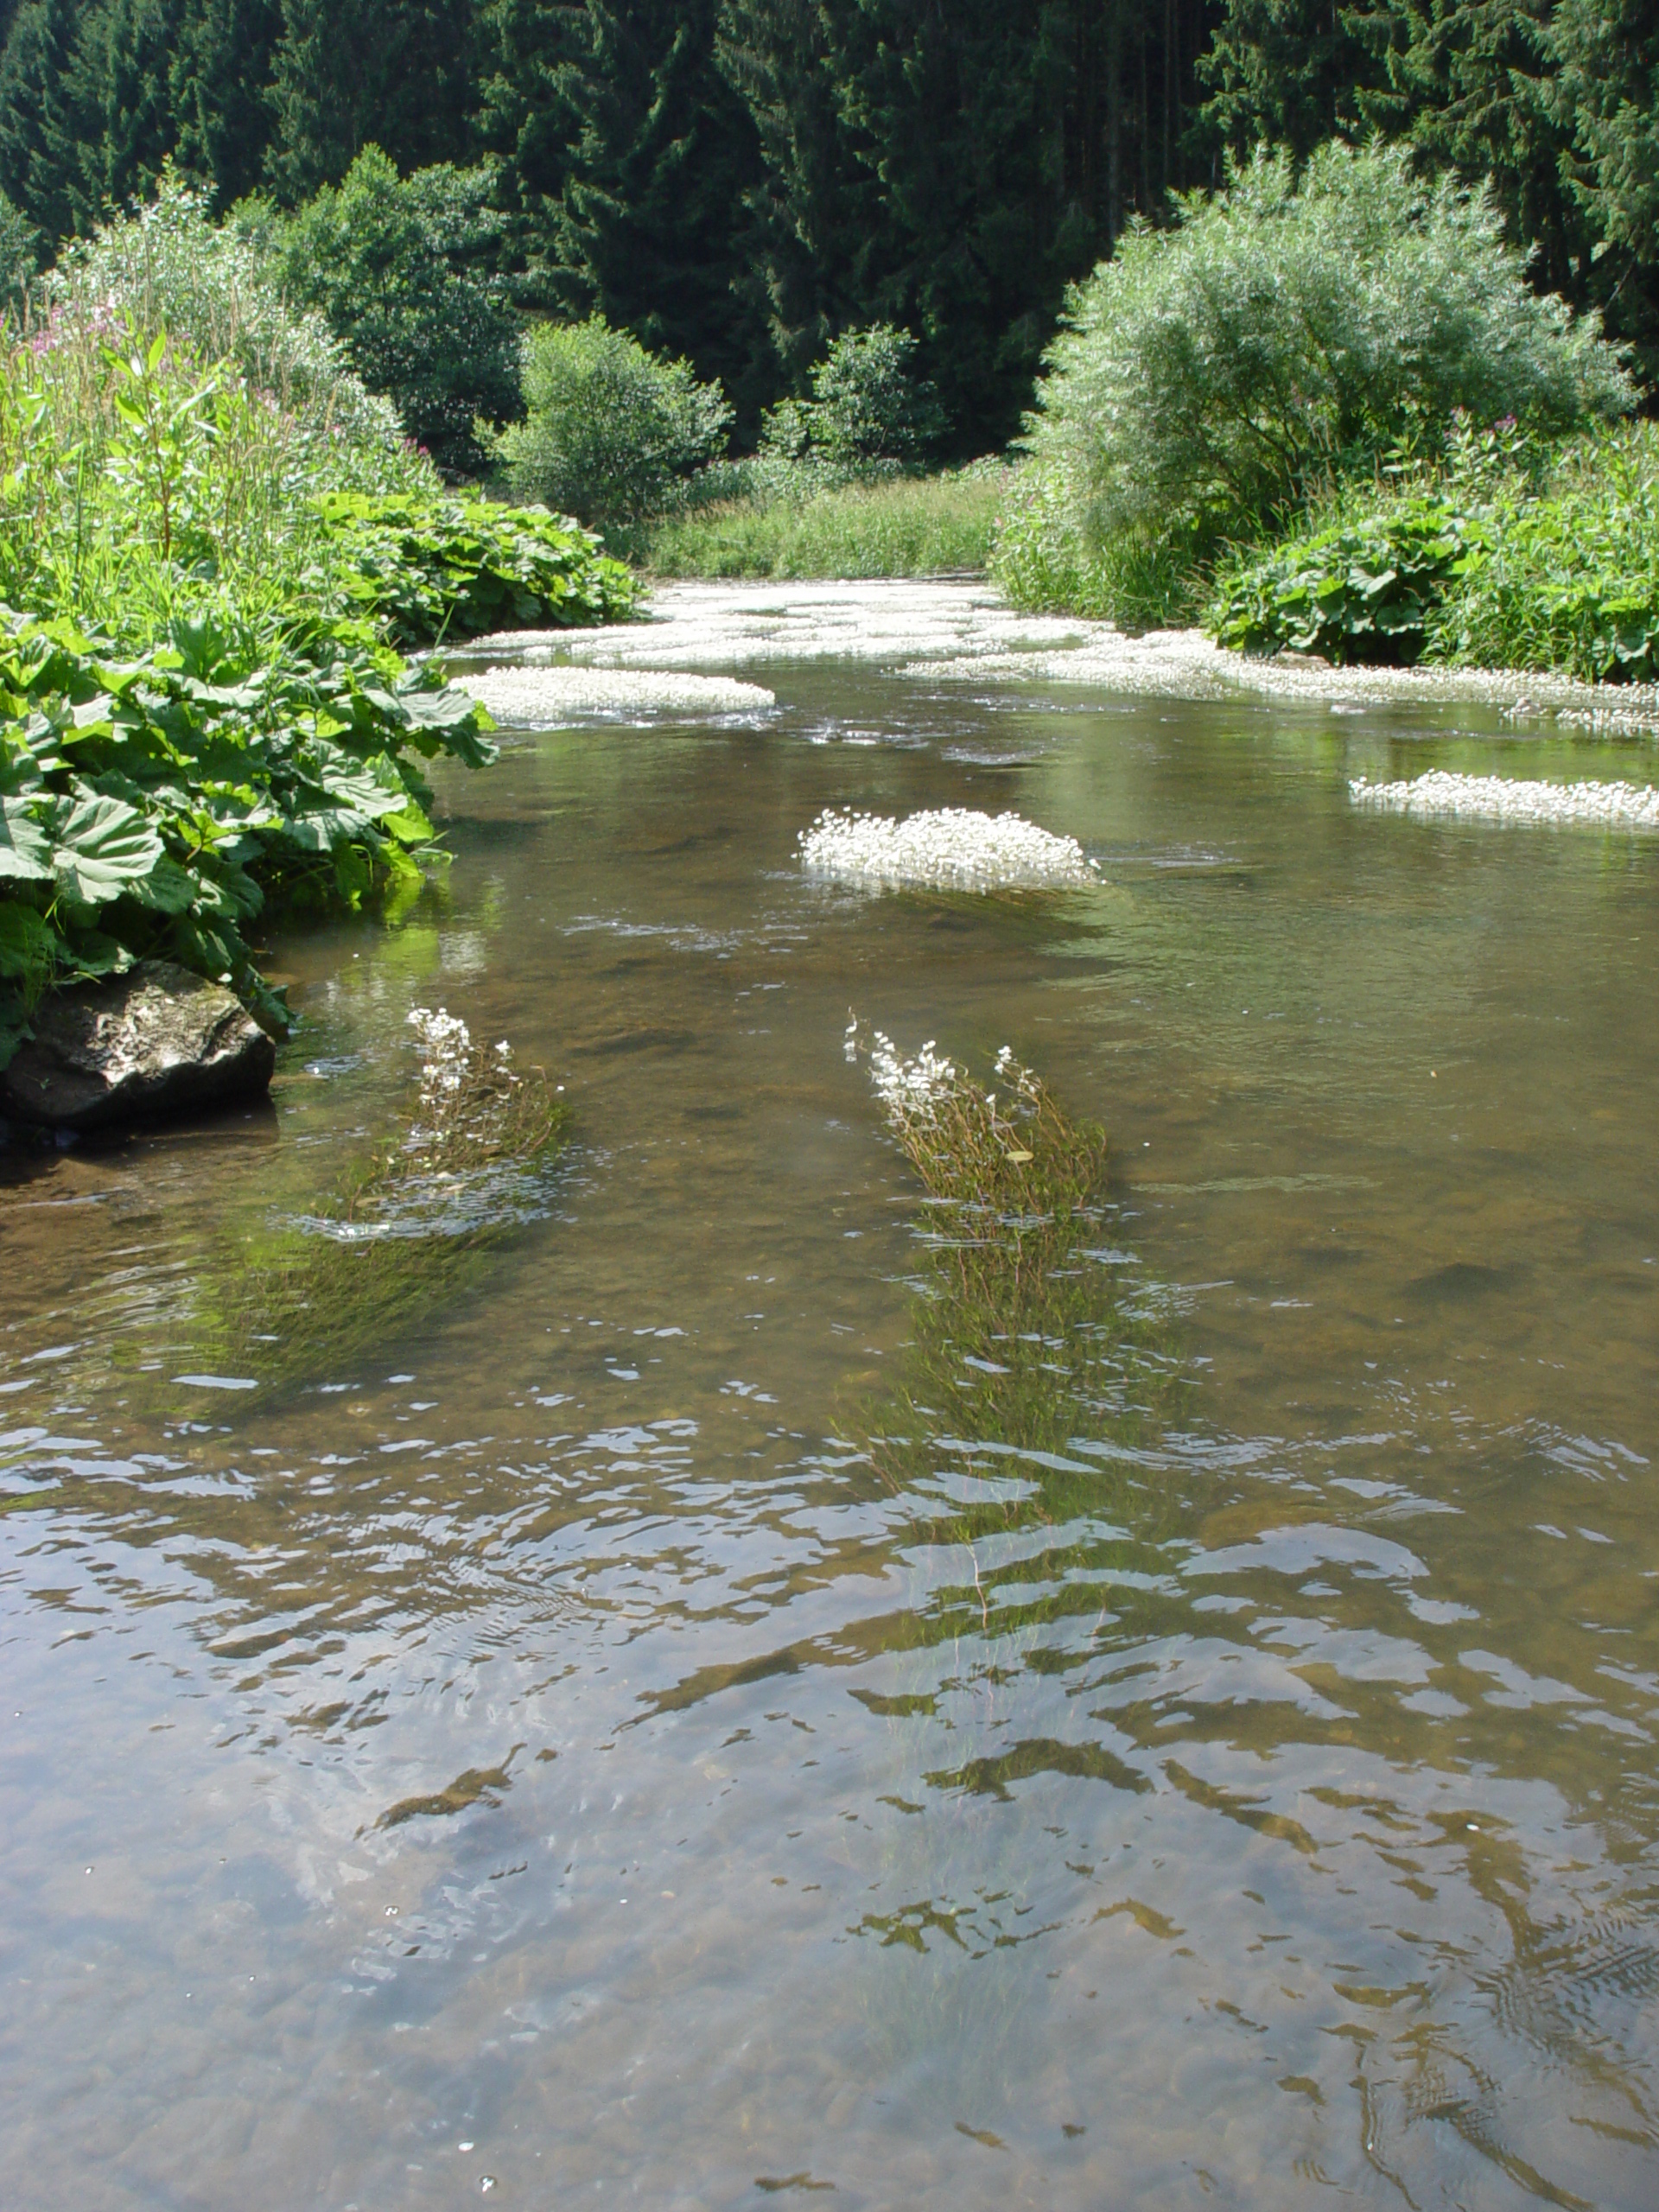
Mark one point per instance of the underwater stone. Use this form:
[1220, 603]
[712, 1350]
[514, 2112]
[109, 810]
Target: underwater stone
[155, 1041]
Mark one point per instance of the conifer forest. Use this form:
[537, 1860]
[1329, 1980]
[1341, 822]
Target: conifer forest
[735, 182]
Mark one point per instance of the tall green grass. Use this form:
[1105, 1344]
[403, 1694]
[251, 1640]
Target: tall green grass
[902, 526]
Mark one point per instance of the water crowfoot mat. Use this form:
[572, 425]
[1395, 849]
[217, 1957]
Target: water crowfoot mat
[944, 849]
[547, 695]
[1498, 798]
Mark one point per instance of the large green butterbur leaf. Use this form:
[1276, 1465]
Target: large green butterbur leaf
[102, 848]
[25, 850]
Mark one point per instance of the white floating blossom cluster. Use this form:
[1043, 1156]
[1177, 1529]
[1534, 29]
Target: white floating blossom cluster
[909, 1088]
[549, 696]
[1498, 798]
[944, 849]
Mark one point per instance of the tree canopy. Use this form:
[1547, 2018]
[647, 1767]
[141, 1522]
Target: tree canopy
[740, 182]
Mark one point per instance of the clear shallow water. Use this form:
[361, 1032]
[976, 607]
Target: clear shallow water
[552, 1753]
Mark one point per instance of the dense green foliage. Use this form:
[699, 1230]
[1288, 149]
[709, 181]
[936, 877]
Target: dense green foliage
[609, 429]
[399, 270]
[1498, 556]
[152, 804]
[211, 549]
[168, 266]
[1213, 373]
[1366, 590]
[1145, 578]
[738, 182]
[1572, 579]
[432, 570]
[866, 407]
[1286, 338]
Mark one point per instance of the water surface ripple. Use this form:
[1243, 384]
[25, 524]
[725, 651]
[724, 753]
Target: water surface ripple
[691, 1718]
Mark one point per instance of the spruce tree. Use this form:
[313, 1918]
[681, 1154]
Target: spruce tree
[1605, 89]
[657, 156]
[346, 73]
[218, 80]
[41, 127]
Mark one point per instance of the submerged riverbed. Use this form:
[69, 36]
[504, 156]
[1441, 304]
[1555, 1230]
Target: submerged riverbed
[572, 1753]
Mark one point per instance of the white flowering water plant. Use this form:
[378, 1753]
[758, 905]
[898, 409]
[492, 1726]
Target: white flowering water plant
[942, 848]
[1007, 1149]
[1029, 1327]
[1443, 795]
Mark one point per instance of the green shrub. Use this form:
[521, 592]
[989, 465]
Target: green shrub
[392, 265]
[152, 804]
[138, 484]
[611, 432]
[866, 406]
[451, 568]
[1368, 590]
[168, 266]
[911, 526]
[1143, 579]
[1218, 373]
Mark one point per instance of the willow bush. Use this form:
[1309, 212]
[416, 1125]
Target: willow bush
[1214, 376]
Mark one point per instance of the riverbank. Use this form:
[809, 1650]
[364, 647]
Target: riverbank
[902, 527]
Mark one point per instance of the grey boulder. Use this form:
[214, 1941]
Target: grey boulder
[155, 1041]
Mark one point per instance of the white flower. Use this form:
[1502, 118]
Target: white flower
[1501, 798]
[909, 1088]
[946, 848]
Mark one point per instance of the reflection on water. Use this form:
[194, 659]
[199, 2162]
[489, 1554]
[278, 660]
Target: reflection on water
[611, 1735]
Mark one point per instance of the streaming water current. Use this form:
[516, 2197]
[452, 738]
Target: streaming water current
[555, 1755]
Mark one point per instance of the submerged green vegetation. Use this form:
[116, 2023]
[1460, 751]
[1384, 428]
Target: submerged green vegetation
[412, 1226]
[1025, 1331]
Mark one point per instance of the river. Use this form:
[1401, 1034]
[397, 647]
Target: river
[552, 1758]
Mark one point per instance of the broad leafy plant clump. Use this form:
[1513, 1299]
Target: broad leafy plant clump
[437, 570]
[1216, 376]
[155, 805]
[212, 547]
[1368, 590]
[1497, 553]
